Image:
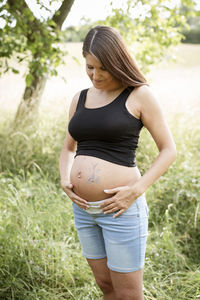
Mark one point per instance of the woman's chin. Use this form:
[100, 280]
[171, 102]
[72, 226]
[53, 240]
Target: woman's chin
[97, 84]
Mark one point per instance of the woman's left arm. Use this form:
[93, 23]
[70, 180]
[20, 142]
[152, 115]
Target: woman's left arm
[153, 119]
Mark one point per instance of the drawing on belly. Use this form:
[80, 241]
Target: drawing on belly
[94, 178]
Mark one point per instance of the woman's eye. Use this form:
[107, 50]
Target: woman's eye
[90, 67]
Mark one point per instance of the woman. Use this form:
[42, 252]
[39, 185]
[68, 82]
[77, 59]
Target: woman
[103, 181]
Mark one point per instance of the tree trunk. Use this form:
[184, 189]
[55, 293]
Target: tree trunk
[60, 16]
[28, 107]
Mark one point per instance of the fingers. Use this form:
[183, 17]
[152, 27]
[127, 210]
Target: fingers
[115, 190]
[113, 209]
[119, 213]
[80, 202]
[68, 189]
[107, 202]
[67, 186]
[112, 205]
[109, 208]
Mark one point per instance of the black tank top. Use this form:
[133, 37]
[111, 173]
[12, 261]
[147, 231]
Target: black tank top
[109, 132]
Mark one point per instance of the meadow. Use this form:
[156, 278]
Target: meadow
[40, 255]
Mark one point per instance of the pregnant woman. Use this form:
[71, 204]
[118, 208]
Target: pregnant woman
[98, 169]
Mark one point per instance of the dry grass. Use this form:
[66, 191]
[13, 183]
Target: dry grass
[176, 85]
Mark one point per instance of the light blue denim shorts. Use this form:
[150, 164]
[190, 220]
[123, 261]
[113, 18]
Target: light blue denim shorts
[122, 240]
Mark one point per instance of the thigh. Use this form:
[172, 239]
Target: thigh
[90, 234]
[125, 238]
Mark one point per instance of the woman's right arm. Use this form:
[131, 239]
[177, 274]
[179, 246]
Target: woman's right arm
[66, 161]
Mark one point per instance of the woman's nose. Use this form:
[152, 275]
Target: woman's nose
[96, 74]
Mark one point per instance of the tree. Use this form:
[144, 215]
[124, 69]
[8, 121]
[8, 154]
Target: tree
[151, 27]
[192, 34]
[33, 40]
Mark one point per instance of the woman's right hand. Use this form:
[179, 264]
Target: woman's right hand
[68, 189]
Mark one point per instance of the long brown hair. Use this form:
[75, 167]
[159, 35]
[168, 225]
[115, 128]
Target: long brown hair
[107, 45]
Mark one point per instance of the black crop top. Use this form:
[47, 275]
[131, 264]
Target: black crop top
[109, 132]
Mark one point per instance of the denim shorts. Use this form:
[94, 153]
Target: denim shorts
[122, 239]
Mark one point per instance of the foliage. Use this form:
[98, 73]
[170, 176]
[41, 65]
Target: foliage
[151, 27]
[192, 36]
[78, 33]
[30, 39]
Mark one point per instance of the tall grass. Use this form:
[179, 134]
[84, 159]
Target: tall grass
[173, 261]
[39, 251]
[40, 256]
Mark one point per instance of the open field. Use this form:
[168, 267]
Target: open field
[176, 84]
[40, 256]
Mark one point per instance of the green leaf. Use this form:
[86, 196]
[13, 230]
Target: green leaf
[76, 60]
[15, 71]
[29, 79]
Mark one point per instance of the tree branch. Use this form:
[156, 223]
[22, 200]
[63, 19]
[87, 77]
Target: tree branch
[19, 6]
[59, 17]
[61, 14]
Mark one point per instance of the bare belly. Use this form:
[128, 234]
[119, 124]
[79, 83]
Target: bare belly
[90, 176]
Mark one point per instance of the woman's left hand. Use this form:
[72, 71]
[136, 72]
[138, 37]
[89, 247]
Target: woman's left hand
[124, 197]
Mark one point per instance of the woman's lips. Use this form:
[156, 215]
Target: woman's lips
[97, 81]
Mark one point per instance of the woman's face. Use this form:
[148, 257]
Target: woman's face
[100, 78]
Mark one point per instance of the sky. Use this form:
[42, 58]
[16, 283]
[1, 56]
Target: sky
[94, 9]
[91, 9]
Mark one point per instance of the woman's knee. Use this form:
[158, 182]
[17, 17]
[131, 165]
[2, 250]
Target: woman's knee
[126, 294]
[105, 285]
[101, 274]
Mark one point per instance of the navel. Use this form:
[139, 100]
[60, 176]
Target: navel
[79, 174]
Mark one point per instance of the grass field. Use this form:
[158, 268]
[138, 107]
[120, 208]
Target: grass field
[40, 256]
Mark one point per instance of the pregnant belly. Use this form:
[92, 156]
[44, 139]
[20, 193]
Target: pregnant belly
[90, 176]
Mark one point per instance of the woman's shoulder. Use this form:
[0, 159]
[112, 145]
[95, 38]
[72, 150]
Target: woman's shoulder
[74, 101]
[73, 104]
[144, 96]
[148, 104]
[142, 101]
[142, 91]
[76, 97]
